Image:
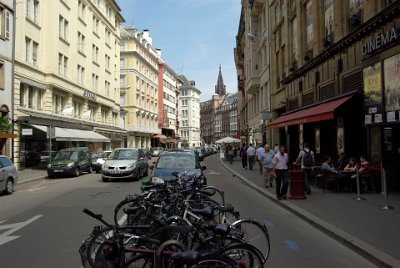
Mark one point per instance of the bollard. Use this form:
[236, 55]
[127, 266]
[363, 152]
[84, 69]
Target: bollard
[385, 207]
[358, 197]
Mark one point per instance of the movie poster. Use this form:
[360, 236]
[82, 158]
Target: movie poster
[328, 10]
[317, 141]
[310, 19]
[392, 83]
[356, 6]
[340, 140]
[373, 84]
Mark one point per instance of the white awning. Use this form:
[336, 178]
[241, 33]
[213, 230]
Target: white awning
[70, 134]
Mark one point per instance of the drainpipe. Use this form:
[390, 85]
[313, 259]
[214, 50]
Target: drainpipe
[13, 74]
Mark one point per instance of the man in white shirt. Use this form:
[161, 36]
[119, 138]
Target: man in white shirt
[251, 152]
[260, 150]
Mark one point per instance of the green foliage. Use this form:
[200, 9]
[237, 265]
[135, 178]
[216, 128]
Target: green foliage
[185, 143]
[5, 125]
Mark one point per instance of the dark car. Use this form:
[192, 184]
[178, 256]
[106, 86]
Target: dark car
[180, 162]
[125, 163]
[71, 161]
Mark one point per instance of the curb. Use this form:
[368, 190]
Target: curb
[20, 182]
[362, 248]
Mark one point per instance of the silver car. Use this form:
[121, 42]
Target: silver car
[8, 175]
[125, 163]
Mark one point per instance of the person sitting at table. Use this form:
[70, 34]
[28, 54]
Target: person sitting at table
[342, 161]
[326, 166]
[351, 166]
[364, 172]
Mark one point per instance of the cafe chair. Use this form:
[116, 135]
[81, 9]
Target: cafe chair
[329, 178]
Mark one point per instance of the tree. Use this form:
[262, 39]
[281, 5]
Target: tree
[185, 143]
[5, 125]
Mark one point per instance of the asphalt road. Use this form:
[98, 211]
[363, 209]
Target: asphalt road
[41, 224]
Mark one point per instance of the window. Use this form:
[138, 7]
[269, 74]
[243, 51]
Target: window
[107, 62]
[63, 27]
[122, 63]
[81, 42]
[96, 25]
[122, 82]
[81, 10]
[95, 54]
[27, 49]
[95, 82]
[36, 11]
[22, 92]
[30, 97]
[58, 103]
[122, 46]
[2, 85]
[107, 88]
[4, 23]
[108, 36]
[81, 75]
[77, 108]
[62, 65]
[39, 96]
[34, 53]
[122, 99]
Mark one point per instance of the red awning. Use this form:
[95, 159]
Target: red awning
[324, 111]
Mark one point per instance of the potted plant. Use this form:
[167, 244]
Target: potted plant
[6, 128]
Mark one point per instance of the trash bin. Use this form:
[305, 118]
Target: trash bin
[296, 184]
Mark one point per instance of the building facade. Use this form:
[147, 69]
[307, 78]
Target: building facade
[66, 77]
[139, 87]
[168, 106]
[189, 112]
[207, 119]
[333, 82]
[7, 45]
[226, 114]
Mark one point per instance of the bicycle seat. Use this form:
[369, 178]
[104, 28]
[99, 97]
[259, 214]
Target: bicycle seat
[222, 229]
[226, 208]
[208, 192]
[206, 212]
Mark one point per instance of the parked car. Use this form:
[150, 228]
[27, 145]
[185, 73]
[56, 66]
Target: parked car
[156, 151]
[200, 152]
[98, 160]
[125, 163]
[71, 161]
[178, 162]
[8, 175]
[45, 156]
[147, 153]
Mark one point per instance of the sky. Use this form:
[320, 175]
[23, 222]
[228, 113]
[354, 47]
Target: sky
[195, 37]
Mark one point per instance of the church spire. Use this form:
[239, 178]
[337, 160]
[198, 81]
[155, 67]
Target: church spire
[220, 88]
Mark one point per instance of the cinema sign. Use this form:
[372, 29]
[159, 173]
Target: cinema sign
[380, 40]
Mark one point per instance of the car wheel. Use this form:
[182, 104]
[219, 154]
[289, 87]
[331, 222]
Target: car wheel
[104, 179]
[77, 172]
[137, 175]
[9, 186]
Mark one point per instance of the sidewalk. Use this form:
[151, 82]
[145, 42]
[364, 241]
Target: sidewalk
[28, 175]
[361, 225]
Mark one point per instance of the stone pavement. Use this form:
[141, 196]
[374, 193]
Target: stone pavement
[360, 225]
[28, 175]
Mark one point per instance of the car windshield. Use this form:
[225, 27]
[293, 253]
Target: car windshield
[123, 154]
[67, 155]
[177, 161]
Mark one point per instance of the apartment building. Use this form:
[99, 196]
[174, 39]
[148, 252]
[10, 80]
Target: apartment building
[6, 74]
[139, 87]
[207, 119]
[66, 77]
[334, 78]
[189, 112]
[168, 107]
[226, 114]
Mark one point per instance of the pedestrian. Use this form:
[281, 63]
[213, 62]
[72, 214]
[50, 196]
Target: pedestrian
[251, 153]
[280, 172]
[306, 156]
[243, 155]
[276, 148]
[230, 154]
[259, 151]
[266, 158]
[235, 150]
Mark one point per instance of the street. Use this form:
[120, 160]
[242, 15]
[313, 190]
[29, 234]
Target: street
[41, 224]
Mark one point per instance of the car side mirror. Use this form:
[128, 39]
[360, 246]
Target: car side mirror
[203, 167]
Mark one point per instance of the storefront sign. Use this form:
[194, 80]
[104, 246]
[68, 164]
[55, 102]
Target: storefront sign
[90, 95]
[368, 119]
[26, 132]
[381, 40]
[391, 116]
[378, 118]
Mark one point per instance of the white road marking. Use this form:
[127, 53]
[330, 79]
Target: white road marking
[214, 173]
[5, 237]
[35, 189]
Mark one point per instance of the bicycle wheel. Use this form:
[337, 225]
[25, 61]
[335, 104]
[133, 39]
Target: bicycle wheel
[120, 217]
[213, 260]
[219, 195]
[254, 233]
[97, 239]
[244, 255]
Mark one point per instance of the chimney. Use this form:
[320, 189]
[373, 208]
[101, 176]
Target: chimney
[146, 36]
[158, 50]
